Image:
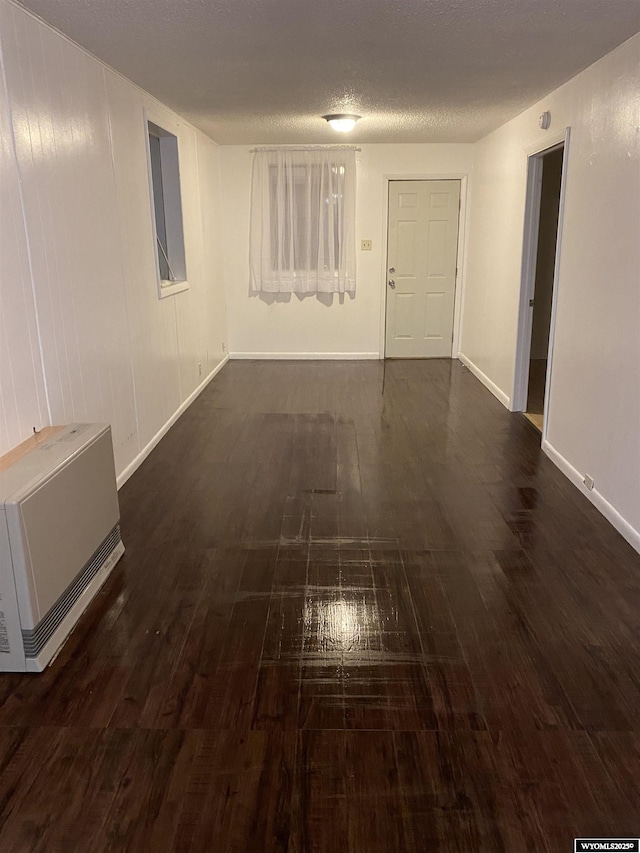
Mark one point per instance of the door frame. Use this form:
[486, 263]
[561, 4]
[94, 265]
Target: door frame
[528, 273]
[460, 248]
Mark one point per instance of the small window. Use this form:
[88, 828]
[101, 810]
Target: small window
[167, 210]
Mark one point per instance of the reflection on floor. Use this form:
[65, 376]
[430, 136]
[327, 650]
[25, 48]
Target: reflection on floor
[359, 610]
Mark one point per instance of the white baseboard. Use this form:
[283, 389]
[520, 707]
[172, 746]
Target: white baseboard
[602, 504]
[309, 356]
[137, 462]
[497, 392]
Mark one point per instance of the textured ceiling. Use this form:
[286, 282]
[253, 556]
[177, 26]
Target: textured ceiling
[416, 70]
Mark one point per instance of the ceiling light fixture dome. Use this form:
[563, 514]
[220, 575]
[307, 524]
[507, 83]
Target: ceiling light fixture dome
[343, 122]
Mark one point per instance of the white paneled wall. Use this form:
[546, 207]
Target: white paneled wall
[110, 349]
[22, 393]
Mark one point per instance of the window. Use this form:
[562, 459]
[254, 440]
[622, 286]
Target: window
[303, 220]
[167, 210]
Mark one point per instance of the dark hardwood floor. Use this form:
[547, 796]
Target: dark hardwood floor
[359, 611]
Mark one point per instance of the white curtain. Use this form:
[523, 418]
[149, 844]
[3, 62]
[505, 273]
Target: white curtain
[303, 220]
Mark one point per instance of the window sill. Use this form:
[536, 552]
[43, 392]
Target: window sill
[169, 288]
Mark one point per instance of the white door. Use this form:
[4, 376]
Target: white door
[421, 272]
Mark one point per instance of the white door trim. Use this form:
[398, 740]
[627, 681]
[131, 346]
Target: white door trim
[462, 250]
[528, 275]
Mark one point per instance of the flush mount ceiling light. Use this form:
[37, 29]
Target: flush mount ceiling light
[344, 122]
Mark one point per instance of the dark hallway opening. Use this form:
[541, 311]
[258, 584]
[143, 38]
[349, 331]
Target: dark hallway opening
[543, 288]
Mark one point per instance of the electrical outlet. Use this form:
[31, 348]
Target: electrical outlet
[224, 347]
[199, 368]
[588, 481]
[366, 245]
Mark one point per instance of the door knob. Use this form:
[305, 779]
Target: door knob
[392, 283]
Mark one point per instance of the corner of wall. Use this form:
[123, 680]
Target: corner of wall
[488, 383]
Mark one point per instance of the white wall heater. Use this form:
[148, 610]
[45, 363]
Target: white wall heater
[59, 538]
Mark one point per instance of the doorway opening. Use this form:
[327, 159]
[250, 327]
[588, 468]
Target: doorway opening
[541, 255]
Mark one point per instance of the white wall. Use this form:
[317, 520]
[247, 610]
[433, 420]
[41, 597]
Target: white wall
[22, 392]
[348, 327]
[77, 256]
[594, 408]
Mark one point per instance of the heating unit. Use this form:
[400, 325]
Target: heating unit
[59, 538]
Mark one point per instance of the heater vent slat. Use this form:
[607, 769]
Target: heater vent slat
[35, 639]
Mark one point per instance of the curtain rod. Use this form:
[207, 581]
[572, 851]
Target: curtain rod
[305, 148]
